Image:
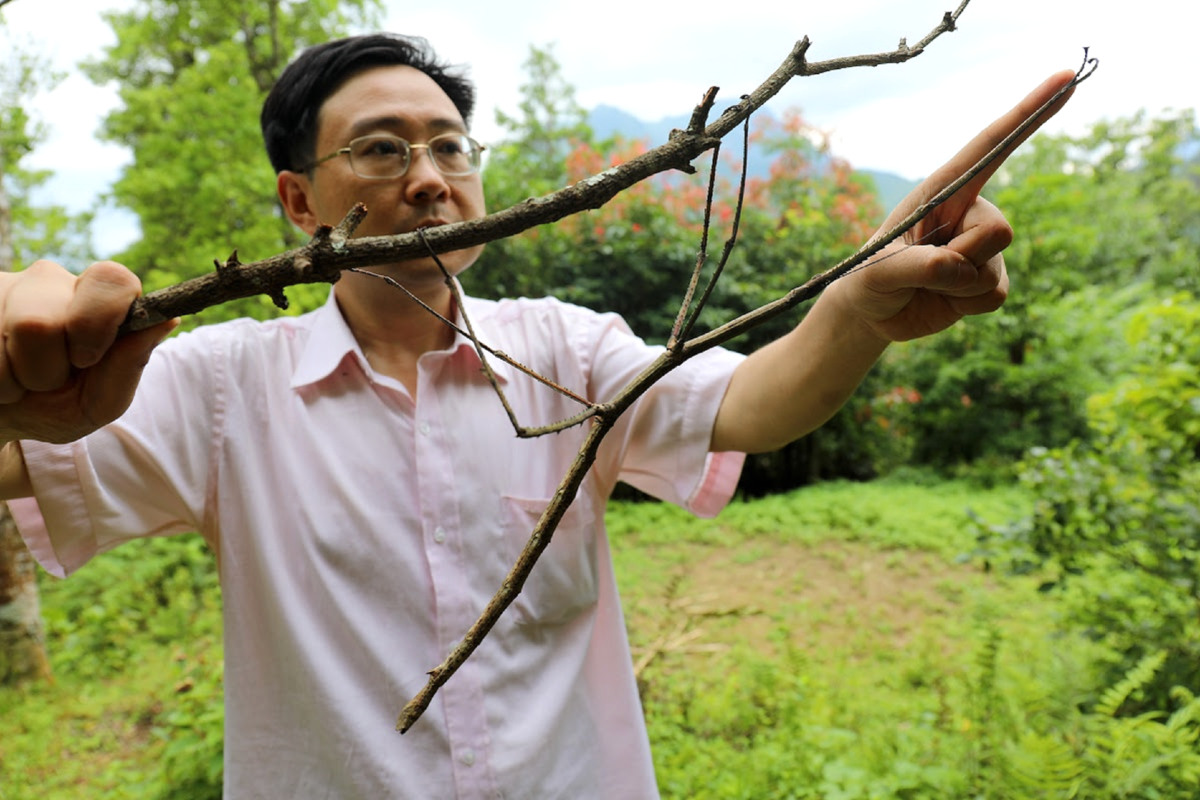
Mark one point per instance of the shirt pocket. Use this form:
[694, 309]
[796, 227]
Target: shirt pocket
[563, 583]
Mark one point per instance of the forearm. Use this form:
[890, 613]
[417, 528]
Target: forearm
[795, 384]
[14, 477]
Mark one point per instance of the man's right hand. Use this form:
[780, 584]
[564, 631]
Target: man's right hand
[63, 372]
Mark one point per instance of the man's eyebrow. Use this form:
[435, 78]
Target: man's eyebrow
[394, 123]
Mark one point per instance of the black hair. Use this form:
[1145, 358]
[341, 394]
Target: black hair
[290, 113]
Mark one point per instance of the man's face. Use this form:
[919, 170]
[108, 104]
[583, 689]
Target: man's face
[405, 102]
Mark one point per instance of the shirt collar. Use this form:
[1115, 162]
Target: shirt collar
[330, 341]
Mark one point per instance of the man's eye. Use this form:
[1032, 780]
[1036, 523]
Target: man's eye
[450, 147]
[379, 148]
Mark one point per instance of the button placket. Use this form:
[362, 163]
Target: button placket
[462, 699]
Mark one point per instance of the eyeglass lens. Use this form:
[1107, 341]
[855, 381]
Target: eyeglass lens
[390, 156]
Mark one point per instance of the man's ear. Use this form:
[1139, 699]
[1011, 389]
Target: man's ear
[294, 194]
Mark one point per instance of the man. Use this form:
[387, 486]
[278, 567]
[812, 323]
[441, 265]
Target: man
[357, 478]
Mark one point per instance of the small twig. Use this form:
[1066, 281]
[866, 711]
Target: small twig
[733, 234]
[680, 638]
[676, 640]
[701, 255]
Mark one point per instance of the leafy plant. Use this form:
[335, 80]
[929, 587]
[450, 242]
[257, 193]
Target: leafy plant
[1118, 517]
[192, 765]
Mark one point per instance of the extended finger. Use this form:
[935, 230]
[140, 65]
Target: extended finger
[976, 150]
[101, 301]
[991, 136]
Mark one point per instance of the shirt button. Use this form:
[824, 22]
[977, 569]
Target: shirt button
[467, 757]
[439, 534]
[423, 428]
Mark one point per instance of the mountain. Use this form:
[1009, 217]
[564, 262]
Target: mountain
[608, 121]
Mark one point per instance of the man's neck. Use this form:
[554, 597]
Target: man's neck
[392, 329]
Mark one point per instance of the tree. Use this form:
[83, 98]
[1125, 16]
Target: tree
[193, 75]
[24, 228]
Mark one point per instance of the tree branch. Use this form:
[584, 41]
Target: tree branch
[332, 250]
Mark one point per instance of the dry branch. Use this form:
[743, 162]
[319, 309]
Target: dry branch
[332, 250]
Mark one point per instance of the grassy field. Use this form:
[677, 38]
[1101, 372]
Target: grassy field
[828, 643]
[835, 643]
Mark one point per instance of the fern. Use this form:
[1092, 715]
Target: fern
[1142, 756]
[1135, 680]
[1046, 766]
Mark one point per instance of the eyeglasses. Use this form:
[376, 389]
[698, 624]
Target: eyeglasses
[381, 156]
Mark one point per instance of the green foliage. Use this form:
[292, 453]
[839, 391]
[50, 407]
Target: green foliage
[764, 729]
[192, 766]
[114, 606]
[151, 593]
[979, 400]
[1140, 756]
[983, 700]
[192, 78]
[905, 512]
[989, 702]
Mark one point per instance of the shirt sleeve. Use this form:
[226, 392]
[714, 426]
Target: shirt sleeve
[146, 474]
[661, 445]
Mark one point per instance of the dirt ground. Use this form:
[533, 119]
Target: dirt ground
[841, 599]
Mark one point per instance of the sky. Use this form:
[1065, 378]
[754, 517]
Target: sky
[655, 58]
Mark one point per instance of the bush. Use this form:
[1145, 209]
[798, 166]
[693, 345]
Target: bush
[1119, 517]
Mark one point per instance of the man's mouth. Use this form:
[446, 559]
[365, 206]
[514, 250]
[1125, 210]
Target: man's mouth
[431, 222]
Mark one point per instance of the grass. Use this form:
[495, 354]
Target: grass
[82, 740]
[829, 638]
